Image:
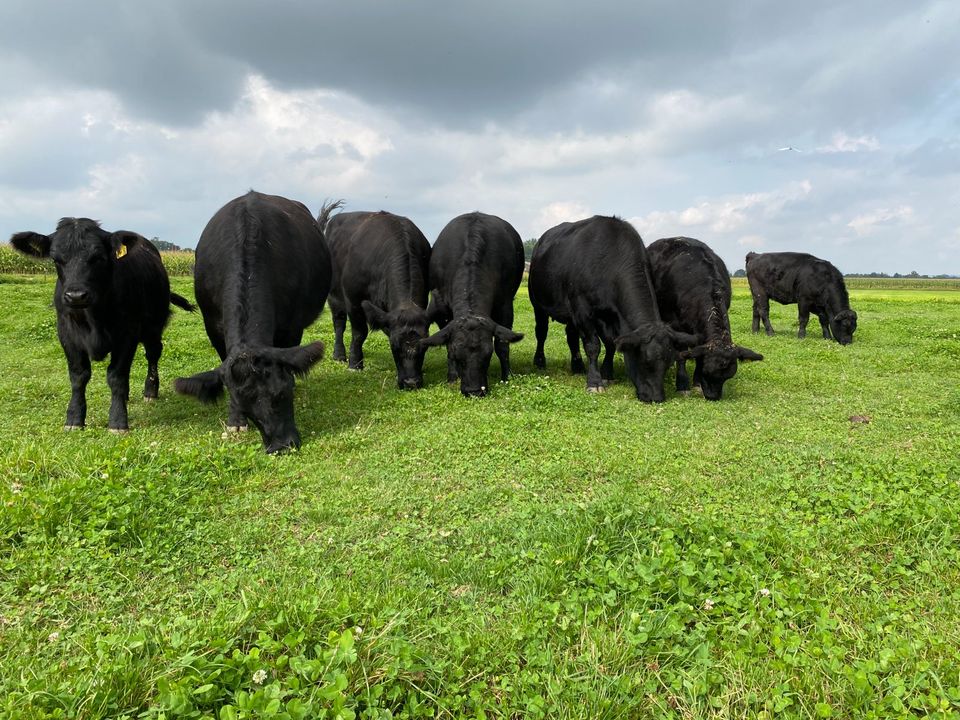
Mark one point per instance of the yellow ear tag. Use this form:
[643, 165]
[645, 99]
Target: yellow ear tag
[121, 251]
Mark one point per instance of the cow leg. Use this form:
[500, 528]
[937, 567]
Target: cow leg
[824, 325]
[339, 327]
[573, 342]
[761, 312]
[804, 318]
[683, 380]
[236, 420]
[152, 348]
[502, 349]
[591, 347]
[358, 335]
[542, 326]
[698, 372]
[606, 370]
[118, 378]
[452, 373]
[78, 365]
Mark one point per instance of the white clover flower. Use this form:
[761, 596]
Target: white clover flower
[259, 677]
[708, 604]
[53, 637]
[765, 592]
[358, 631]
[16, 488]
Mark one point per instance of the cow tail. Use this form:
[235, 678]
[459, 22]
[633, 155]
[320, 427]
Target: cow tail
[182, 302]
[324, 217]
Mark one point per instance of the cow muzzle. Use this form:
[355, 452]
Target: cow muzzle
[76, 298]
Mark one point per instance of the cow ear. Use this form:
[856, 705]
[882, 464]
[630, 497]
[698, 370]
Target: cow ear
[747, 354]
[505, 334]
[441, 337]
[207, 386]
[300, 359]
[630, 340]
[123, 241]
[377, 318]
[434, 312]
[693, 353]
[31, 243]
[681, 340]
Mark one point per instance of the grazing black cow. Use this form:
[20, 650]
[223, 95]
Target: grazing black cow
[814, 284]
[261, 277]
[693, 293]
[380, 267]
[594, 276]
[476, 266]
[112, 293]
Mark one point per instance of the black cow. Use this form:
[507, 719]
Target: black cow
[112, 293]
[693, 293]
[594, 276]
[261, 277]
[814, 284]
[476, 266]
[380, 268]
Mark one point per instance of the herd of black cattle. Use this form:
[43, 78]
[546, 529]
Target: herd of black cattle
[265, 267]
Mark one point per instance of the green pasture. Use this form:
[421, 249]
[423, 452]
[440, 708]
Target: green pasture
[790, 551]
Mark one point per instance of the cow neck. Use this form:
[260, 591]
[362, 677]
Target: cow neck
[405, 282]
[637, 302]
[836, 299]
[717, 325]
[252, 321]
[94, 325]
[465, 301]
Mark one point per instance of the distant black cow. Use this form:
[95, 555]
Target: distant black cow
[261, 277]
[594, 276]
[814, 284]
[476, 266]
[693, 293]
[380, 268]
[112, 293]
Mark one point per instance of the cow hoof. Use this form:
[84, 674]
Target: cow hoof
[607, 382]
[152, 398]
[73, 427]
[594, 389]
[237, 428]
[119, 431]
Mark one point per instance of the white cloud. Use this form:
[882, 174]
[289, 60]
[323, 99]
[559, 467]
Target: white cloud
[751, 241]
[723, 215]
[559, 212]
[843, 143]
[868, 222]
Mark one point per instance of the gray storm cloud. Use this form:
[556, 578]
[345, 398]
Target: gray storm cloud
[151, 115]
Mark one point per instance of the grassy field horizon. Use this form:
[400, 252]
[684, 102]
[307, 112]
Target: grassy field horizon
[790, 551]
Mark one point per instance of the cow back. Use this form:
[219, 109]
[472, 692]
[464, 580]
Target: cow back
[263, 270]
[380, 257]
[477, 263]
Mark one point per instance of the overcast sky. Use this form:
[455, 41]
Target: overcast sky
[149, 116]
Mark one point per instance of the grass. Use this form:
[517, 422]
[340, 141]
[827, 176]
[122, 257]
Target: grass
[538, 553]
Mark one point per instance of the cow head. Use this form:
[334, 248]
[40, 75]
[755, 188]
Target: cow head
[260, 381]
[406, 326]
[842, 326]
[718, 364]
[647, 352]
[84, 255]
[469, 342]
